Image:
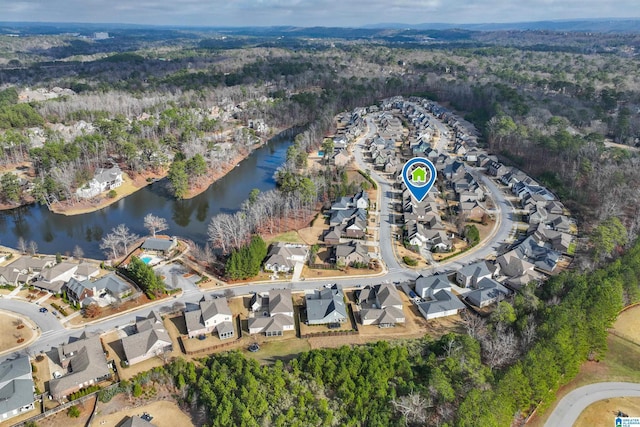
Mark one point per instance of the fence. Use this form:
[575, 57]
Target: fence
[61, 407]
[329, 334]
[209, 349]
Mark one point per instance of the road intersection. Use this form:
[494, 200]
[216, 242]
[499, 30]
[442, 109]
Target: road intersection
[53, 332]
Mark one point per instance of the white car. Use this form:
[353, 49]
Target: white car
[57, 374]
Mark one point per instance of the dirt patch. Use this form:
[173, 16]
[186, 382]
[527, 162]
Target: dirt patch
[628, 324]
[15, 331]
[603, 413]
[61, 419]
[312, 235]
[165, 412]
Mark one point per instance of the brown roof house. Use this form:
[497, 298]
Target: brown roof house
[351, 253]
[151, 339]
[212, 314]
[273, 315]
[85, 363]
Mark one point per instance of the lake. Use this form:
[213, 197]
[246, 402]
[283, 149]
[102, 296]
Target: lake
[187, 218]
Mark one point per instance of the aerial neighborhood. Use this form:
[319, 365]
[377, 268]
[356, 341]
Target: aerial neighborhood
[160, 303]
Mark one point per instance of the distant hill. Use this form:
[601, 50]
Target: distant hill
[605, 25]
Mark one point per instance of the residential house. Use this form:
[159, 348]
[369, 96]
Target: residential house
[556, 240]
[341, 158]
[354, 228]
[472, 210]
[538, 215]
[470, 275]
[159, 246]
[340, 216]
[559, 223]
[16, 387]
[85, 364]
[103, 180]
[454, 170]
[326, 306]
[151, 339]
[487, 292]
[511, 265]
[380, 305]
[103, 291]
[427, 286]
[54, 278]
[545, 259]
[23, 270]
[86, 270]
[135, 421]
[351, 253]
[444, 303]
[212, 314]
[282, 257]
[276, 314]
[333, 235]
[496, 169]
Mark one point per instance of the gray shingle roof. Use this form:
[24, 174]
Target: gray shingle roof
[326, 306]
[155, 244]
[444, 301]
[87, 361]
[16, 384]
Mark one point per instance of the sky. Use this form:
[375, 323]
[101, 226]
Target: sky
[326, 13]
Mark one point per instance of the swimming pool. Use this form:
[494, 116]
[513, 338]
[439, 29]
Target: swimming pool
[146, 259]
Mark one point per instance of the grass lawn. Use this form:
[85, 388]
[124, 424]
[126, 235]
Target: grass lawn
[284, 350]
[289, 237]
[602, 413]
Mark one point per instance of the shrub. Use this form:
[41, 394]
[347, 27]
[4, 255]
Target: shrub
[73, 412]
[411, 262]
[112, 194]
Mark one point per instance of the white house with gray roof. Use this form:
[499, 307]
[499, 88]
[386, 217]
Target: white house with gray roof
[326, 306]
[444, 303]
[273, 314]
[487, 292]
[212, 314]
[103, 180]
[16, 388]
[470, 275]
[282, 257]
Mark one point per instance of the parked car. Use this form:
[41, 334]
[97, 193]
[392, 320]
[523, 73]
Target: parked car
[43, 310]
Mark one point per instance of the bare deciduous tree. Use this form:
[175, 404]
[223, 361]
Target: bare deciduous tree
[33, 247]
[110, 242]
[78, 253]
[22, 245]
[124, 236]
[412, 407]
[155, 224]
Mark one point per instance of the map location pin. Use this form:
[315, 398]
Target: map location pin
[419, 175]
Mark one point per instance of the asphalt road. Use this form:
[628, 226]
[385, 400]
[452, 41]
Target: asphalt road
[571, 406]
[54, 334]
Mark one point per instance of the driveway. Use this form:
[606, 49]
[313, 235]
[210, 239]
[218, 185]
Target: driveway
[571, 406]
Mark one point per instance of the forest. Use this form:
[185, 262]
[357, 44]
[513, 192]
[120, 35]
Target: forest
[492, 375]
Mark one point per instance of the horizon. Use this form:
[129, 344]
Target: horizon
[306, 14]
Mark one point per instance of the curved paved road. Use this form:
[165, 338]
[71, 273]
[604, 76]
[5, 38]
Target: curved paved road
[54, 333]
[571, 406]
